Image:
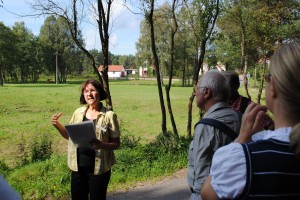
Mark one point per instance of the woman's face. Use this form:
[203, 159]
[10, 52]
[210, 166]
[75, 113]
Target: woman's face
[91, 94]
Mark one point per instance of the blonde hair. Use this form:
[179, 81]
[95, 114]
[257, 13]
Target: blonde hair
[285, 70]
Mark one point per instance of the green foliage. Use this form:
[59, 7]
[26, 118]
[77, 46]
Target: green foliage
[169, 142]
[8, 46]
[41, 149]
[129, 141]
[56, 36]
[23, 158]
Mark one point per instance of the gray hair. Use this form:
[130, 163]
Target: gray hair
[216, 82]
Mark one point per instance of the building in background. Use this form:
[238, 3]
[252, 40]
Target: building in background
[114, 71]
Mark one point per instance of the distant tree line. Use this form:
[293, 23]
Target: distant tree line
[24, 57]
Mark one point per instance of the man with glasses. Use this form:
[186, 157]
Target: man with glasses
[212, 95]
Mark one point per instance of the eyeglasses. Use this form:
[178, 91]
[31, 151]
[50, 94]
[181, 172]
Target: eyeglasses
[267, 77]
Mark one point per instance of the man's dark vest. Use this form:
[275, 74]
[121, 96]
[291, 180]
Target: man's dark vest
[273, 171]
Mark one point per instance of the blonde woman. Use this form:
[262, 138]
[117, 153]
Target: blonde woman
[261, 165]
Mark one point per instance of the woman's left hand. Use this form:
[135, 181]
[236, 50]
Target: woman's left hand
[97, 144]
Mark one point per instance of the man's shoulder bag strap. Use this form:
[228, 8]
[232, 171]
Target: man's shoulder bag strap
[219, 125]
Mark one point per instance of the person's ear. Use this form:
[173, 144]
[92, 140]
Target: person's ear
[207, 93]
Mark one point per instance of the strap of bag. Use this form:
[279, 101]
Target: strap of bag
[219, 125]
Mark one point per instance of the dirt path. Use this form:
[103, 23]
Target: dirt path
[170, 188]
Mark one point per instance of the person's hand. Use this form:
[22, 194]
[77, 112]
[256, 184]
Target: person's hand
[252, 122]
[97, 144]
[54, 118]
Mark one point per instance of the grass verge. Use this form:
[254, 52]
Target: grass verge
[50, 179]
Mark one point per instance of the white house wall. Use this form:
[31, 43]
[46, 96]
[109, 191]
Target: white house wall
[114, 74]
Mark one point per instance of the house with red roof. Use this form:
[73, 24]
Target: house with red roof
[114, 71]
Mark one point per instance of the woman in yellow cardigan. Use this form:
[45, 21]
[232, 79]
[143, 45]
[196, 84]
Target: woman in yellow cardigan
[91, 168]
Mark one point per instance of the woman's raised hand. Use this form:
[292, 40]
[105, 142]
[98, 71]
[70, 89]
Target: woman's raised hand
[252, 122]
[54, 118]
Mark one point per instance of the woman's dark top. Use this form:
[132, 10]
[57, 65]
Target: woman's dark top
[85, 157]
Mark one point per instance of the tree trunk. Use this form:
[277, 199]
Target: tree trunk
[255, 76]
[156, 63]
[171, 112]
[244, 56]
[245, 77]
[189, 124]
[73, 26]
[183, 74]
[171, 67]
[195, 81]
[209, 24]
[103, 23]
[1, 76]
[262, 79]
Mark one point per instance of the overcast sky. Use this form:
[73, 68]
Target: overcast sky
[123, 35]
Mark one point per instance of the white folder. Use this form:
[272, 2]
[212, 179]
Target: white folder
[81, 133]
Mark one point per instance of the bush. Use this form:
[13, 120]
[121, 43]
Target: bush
[41, 149]
[170, 142]
[129, 141]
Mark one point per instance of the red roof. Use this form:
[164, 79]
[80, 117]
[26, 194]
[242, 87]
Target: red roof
[112, 68]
